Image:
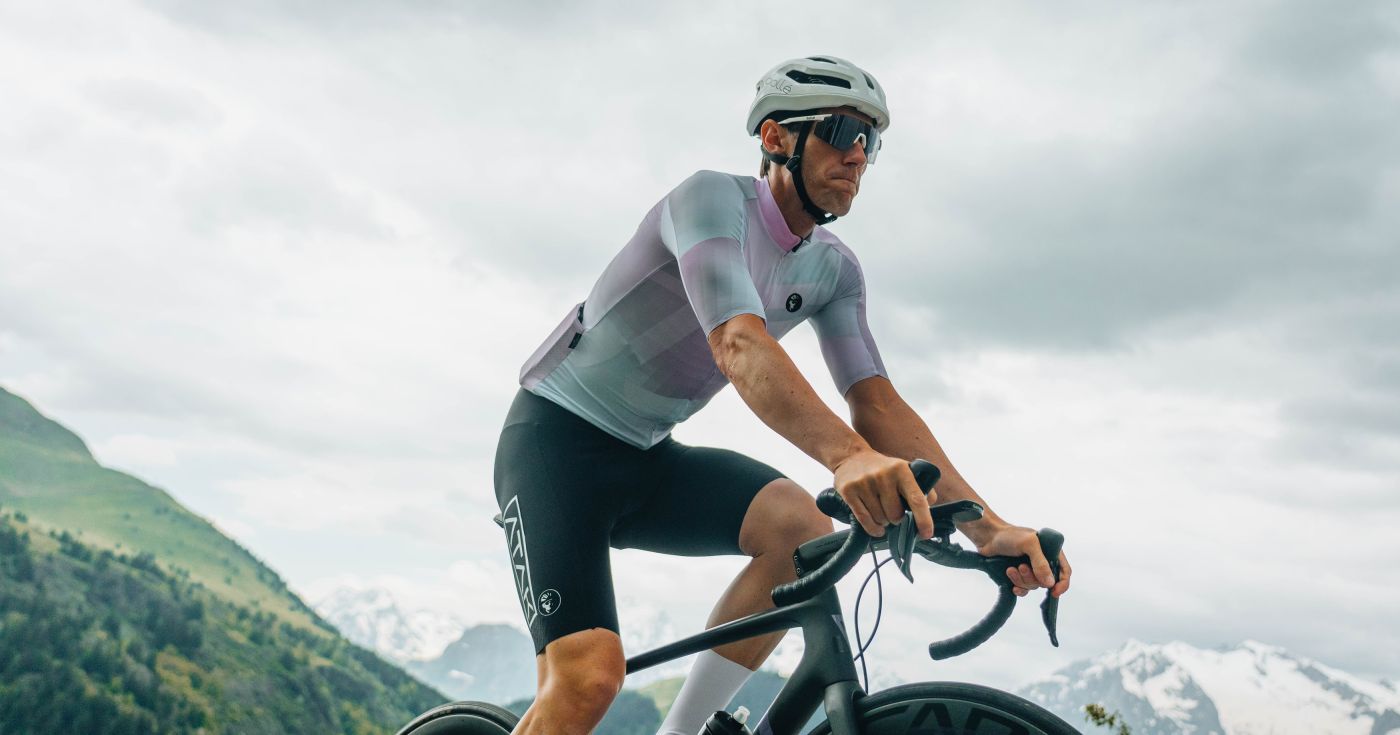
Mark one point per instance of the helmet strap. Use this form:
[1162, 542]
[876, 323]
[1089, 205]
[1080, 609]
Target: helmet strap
[793, 164]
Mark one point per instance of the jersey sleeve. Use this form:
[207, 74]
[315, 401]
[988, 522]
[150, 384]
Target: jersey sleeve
[846, 342]
[703, 224]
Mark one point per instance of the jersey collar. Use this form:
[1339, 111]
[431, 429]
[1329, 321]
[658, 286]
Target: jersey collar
[773, 220]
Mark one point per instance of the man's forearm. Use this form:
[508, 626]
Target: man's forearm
[894, 429]
[781, 397]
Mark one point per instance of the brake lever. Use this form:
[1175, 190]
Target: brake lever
[902, 537]
[1051, 541]
[1049, 612]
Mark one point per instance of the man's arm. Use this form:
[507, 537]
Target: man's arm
[891, 427]
[880, 415]
[774, 389]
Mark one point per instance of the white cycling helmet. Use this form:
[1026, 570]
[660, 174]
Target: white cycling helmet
[817, 82]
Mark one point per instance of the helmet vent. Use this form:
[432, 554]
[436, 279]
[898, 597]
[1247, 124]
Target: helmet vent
[801, 78]
[819, 58]
[868, 82]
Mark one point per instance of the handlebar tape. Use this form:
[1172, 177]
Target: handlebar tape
[826, 575]
[979, 633]
[834, 506]
[1051, 541]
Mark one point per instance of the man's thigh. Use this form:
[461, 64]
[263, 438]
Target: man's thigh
[694, 501]
[557, 508]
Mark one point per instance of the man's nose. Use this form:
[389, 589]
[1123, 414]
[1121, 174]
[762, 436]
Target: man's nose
[855, 155]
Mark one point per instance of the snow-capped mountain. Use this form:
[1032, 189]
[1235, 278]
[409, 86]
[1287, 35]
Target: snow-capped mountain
[645, 627]
[491, 662]
[1249, 689]
[373, 619]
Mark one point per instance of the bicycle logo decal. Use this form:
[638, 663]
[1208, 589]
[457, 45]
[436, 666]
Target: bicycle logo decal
[519, 562]
[549, 602]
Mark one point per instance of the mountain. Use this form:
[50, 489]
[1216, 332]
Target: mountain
[492, 662]
[1249, 689]
[372, 618]
[122, 612]
[47, 472]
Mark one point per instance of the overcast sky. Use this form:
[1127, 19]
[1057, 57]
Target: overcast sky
[1137, 264]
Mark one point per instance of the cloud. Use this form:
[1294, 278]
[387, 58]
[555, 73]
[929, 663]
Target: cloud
[268, 183]
[144, 103]
[1135, 265]
[377, 16]
[135, 451]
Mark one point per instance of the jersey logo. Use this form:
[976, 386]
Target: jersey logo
[794, 302]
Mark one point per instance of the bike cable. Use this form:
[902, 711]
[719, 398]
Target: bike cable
[879, 610]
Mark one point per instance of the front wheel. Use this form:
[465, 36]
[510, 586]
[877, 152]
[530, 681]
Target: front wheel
[463, 718]
[952, 708]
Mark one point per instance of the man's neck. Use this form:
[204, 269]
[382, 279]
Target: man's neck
[799, 222]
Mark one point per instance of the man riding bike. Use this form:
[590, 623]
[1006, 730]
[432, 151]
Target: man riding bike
[716, 273]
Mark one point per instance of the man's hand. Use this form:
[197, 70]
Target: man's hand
[1020, 541]
[874, 484]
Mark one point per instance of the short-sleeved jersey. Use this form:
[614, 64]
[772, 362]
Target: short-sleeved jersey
[634, 359]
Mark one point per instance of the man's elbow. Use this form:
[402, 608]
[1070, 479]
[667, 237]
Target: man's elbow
[730, 340]
[872, 401]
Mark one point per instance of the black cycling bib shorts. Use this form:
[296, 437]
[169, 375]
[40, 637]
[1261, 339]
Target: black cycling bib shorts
[568, 491]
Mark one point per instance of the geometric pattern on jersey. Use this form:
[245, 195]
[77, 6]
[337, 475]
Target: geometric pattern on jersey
[633, 358]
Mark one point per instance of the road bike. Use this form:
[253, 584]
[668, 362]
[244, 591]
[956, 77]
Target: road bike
[826, 676]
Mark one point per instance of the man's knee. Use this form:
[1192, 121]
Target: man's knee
[780, 517]
[586, 668]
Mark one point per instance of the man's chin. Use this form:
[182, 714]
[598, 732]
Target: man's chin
[839, 206]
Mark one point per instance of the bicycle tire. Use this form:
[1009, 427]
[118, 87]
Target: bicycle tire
[463, 718]
[951, 708]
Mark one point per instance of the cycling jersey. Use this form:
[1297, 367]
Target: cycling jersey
[634, 359]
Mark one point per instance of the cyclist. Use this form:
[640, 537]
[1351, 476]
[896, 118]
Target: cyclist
[718, 270]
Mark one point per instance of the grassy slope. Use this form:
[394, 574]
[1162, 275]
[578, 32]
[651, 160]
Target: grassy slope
[47, 472]
[260, 643]
[663, 692]
[92, 641]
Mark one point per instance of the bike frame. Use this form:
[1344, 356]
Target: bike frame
[825, 675]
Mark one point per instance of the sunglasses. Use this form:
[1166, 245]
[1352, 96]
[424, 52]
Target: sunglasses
[842, 131]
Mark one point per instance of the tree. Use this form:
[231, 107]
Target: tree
[1096, 714]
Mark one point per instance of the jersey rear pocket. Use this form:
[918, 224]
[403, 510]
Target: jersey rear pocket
[565, 337]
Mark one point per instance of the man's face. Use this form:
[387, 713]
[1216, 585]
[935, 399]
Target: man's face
[832, 177]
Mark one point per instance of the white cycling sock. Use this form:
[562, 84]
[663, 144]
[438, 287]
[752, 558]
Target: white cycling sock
[712, 682]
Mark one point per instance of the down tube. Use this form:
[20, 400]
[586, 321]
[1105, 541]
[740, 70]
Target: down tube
[826, 668]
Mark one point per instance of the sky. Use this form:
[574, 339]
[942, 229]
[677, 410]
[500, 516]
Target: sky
[1132, 263]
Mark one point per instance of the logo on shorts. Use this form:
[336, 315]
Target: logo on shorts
[794, 302]
[549, 602]
[519, 562]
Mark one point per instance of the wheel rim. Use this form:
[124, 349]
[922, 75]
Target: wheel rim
[455, 724]
[935, 716]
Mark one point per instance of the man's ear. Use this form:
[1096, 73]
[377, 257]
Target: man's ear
[773, 136]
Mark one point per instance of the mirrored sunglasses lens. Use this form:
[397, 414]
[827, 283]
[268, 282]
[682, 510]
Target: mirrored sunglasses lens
[842, 132]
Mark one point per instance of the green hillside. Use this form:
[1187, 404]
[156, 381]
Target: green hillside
[47, 472]
[97, 642]
[122, 612]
